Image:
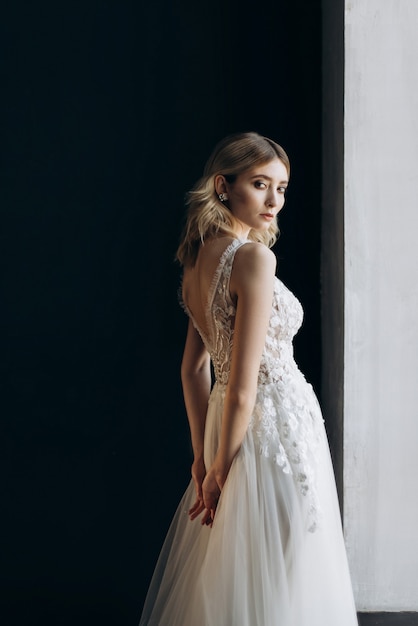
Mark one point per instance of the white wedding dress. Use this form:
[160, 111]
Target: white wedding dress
[275, 555]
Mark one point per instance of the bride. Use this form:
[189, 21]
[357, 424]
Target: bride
[257, 537]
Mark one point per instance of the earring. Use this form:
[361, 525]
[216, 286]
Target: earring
[223, 197]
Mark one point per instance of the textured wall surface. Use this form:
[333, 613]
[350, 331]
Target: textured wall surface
[381, 302]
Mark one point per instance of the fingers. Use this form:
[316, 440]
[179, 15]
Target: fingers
[210, 499]
[208, 515]
[196, 509]
[207, 518]
[207, 497]
[210, 503]
[211, 491]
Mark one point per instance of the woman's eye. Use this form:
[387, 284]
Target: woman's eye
[259, 184]
[282, 189]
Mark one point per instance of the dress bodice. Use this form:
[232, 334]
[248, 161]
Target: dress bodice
[285, 320]
[286, 422]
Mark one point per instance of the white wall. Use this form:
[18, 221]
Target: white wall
[381, 302]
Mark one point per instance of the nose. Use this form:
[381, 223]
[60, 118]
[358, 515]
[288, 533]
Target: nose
[272, 199]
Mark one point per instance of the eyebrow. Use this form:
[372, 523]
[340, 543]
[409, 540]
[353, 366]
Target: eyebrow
[283, 182]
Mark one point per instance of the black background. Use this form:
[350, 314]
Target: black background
[109, 111]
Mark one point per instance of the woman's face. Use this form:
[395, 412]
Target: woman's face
[257, 195]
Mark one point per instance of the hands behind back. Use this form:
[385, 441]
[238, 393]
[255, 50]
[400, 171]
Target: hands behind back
[211, 489]
[198, 475]
[208, 490]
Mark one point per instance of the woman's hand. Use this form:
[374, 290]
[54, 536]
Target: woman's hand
[211, 490]
[198, 475]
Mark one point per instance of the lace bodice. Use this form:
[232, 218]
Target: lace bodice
[286, 422]
[285, 320]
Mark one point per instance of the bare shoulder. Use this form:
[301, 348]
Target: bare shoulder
[255, 257]
[254, 267]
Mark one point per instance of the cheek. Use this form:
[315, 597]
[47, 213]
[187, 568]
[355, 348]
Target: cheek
[242, 195]
[240, 201]
[248, 197]
[280, 205]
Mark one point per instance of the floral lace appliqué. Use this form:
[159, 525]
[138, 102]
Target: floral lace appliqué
[286, 423]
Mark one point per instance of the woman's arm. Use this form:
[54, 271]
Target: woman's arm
[252, 281]
[196, 382]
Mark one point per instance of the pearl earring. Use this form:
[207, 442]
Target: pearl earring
[223, 197]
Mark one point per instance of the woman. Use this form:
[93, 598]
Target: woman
[269, 549]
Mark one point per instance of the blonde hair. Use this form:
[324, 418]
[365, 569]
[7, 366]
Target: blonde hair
[207, 215]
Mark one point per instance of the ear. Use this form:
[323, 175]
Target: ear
[220, 184]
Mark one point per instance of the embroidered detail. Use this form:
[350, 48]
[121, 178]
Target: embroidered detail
[287, 426]
[286, 423]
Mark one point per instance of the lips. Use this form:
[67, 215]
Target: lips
[267, 216]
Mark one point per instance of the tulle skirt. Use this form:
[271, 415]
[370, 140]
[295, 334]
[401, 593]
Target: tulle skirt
[258, 565]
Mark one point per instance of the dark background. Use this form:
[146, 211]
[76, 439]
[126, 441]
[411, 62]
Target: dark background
[108, 112]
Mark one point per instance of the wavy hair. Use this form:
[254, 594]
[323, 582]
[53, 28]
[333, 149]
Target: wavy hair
[206, 215]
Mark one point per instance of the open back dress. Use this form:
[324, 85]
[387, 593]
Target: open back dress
[275, 555]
